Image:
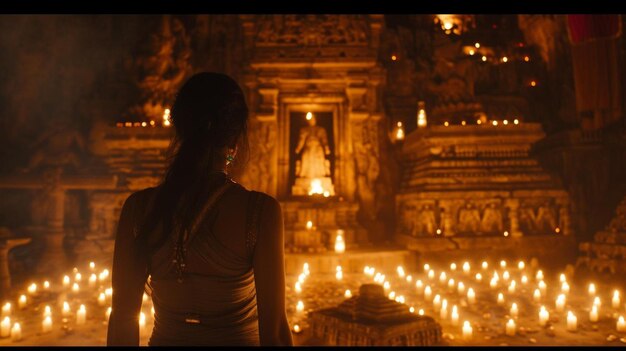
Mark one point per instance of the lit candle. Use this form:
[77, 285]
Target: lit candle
[412, 309]
[621, 325]
[539, 275]
[107, 315]
[47, 311]
[108, 292]
[305, 268]
[524, 279]
[593, 314]
[309, 225]
[5, 327]
[46, 285]
[500, 299]
[506, 275]
[16, 332]
[565, 288]
[485, 265]
[428, 293]
[409, 278]
[32, 289]
[592, 289]
[420, 312]
[142, 320]
[347, 294]
[503, 264]
[66, 309]
[301, 278]
[510, 328]
[78, 277]
[21, 303]
[451, 284]
[493, 283]
[454, 316]
[102, 299]
[46, 324]
[437, 303]
[562, 278]
[92, 280]
[66, 281]
[386, 285]
[512, 287]
[453, 266]
[514, 311]
[471, 296]
[298, 288]
[75, 288]
[400, 271]
[597, 302]
[616, 300]
[431, 274]
[479, 277]
[466, 267]
[426, 267]
[339, 275]
[392, 295]
[467, 331]
[521, 265]
[571, 321]
[6, 309]
[560, 303]
[300, 306]
[461, 288]
[443, 312]
[420, 287]
[296, 328]
[443, 278]
[543, 287]
[544, 316]
[537, 295]
[340, 245]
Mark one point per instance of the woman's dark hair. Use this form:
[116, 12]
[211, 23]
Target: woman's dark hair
[209, 115]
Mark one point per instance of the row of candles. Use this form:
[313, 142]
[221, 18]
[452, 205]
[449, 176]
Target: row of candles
[14, 330]
[165, 123]
[400, 134]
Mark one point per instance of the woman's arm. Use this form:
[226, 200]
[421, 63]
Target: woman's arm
[128, 277]
[269, 276]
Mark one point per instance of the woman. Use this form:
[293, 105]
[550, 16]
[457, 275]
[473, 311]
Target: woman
[210, 251]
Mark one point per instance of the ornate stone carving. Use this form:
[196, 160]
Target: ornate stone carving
[60, 146]
[259, 173]
[366, 155]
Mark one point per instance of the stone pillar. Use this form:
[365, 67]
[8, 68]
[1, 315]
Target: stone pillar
[5, 275]
[513, 205]
[564, 217]
[53, 260]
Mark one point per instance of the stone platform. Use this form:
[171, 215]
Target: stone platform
[350, 261]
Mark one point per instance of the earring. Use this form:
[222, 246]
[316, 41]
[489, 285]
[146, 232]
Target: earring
[230, 158]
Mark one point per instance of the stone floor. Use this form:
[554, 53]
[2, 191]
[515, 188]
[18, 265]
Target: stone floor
[487, 318]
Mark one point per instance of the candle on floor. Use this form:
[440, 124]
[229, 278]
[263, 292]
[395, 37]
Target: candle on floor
[560, 303]
[75, 288]
[296, 328]
[451, 284]
[443, 312]
[621, 324]
[454, 316]
[500, 299]
[565, 288]
[420, 287]
[524, 279]
[6, 309]
[616, 300]
[471, 296]
[562, 278]
[512, 287]
[493, 283]
[92, 265]
[537, 295]
[298, 288]
[420, 312]
[544, 316]
[78, 277]
[46, 324]
[539, 275]
[412, 309]
[426, 267]
[597, 302]
[453, 267]
[47, 311]
[347, 294]
[46, 285]
[400, 271]
[506, 275]
[571, 321]
[386, 285]
[503, 264]
[305, 268]
[479, 277]
[484, 265]
[543, 287]
[21, 303]
[392, 295]
[409, 278]
[66, 309]
[461, 289]
[32, 289]
[92, 280]
[510, 328]
[443, 278]
[102, 299]
[431, 274]
[339, 275]
[428, 293]
[5, 327]
[592, 289]
[437, 303]
[300, 306]
[593, 314]
[521, 265]
[16, 332]
[81, 315]
[467, 331]
[514, 311]
[66, 281]
[466, 267]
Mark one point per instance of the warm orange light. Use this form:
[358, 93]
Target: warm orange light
[309, 116]
[477, 45]
[394, 57]
[533, 83]
[472, 52]
[505, 59]
[484, 58]
[446, 123]
[526, 58]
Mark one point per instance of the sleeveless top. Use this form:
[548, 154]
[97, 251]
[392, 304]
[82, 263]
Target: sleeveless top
[215, 303]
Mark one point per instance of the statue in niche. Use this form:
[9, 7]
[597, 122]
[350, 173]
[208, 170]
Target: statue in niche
[367, 167]
[492, 220]
[427, 222]
[60, 146]
[446, 224]
[546, 218]
[409, 214]
[469, 219]
[313, 144]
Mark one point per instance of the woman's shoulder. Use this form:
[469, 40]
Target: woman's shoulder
[141, 196]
